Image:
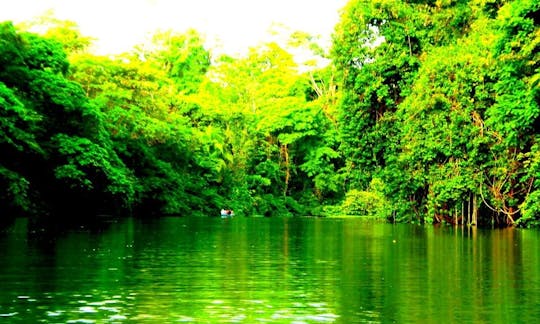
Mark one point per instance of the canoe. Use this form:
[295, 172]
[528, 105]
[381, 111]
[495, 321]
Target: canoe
[227, 215]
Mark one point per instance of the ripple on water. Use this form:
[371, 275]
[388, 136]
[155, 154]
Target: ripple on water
[186, 319]
[109, 309]
[54, 313]
[323, 317]
[104, 302]
[87, 309]
[117, 317]
[9, 314]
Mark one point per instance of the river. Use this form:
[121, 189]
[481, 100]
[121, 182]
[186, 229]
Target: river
[267, 270]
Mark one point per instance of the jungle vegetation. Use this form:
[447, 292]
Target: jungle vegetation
[428, 112]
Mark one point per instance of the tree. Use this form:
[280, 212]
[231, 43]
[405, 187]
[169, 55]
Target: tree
[72, 163]
[514, 117]
[65, 32]
[143, 115]
[440, 100]
[182, 56]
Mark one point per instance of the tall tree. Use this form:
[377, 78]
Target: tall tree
[515, 115]
[142, 114]
[76, 165]
[181, 55]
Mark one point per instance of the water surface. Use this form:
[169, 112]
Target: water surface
[260, 270]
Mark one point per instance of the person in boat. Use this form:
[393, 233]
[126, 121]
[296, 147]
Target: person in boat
[227, 213]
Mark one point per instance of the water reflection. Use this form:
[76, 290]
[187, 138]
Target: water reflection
[268, 270]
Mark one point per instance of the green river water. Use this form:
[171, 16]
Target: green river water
[268, 270]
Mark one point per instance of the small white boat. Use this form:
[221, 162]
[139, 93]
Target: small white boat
[225, 213]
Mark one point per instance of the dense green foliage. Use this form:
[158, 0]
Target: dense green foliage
[428, 112]
[55, 151]
[441, 103]
[160, 130]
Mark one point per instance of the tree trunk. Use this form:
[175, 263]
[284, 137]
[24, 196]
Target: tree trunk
[474, 210]
[285, 154]
[469, 210]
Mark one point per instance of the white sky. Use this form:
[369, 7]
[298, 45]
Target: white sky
[230, 26]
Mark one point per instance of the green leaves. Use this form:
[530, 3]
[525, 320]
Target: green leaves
[53, 138]
[440, 100]
[182, 56]
[15, 192]
[17, 122]
[371, 202]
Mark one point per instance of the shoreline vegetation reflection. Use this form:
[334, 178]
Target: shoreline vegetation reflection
[279, 270]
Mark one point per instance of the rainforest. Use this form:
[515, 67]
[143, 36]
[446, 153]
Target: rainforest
[424, 112]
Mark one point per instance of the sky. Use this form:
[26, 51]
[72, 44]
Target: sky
[229, 26]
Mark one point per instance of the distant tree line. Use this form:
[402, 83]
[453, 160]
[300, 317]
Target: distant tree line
[164, 129]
